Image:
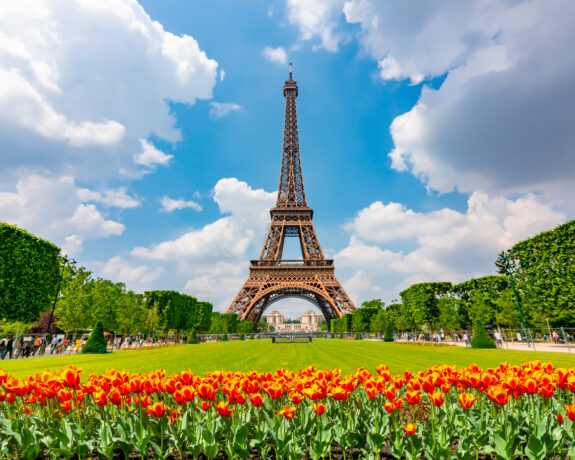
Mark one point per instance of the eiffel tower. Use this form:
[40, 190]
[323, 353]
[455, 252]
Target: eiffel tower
[272, 278]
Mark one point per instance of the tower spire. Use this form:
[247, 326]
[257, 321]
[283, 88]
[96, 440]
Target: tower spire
[290, 71]
[291, 192]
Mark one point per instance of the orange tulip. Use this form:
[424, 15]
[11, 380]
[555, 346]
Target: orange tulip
[256, 399]
[498, 395]
[157, 410]
[100, 398]
[409, 429]
[466, 400]
[115, 397]
[389, 406]
[66, 406]
[288, 412]
[570, 412]
[223, 409]
[318, 408]
[560, 419]
[436, 398]
[398, 403]
[413, 397]
[206, 392]
[390, 393]
[296, 398]
[530, 386]
[204, 405]
[339, 394]
[71, 377]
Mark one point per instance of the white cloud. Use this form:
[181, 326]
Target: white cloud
[136, 277]
[55, 208]
[150, 156]
[448, 245]
[222, 75]
[223, 109]
[81, 83]
[317, 19]
[500, 121]
[117, 198]
[169, 204]
[278, 54]
[215, 257]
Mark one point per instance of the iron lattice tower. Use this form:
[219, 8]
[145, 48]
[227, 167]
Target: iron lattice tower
[272, 278]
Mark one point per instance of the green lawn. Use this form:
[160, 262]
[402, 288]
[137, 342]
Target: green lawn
[265, 356]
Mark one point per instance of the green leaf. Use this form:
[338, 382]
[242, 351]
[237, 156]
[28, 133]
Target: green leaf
[535, 449]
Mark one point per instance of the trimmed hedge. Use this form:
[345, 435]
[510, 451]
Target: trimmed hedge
[481, 338]
[97, 342]
[388, 337]
[29, 274]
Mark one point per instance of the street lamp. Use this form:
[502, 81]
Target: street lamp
[64, 263]
[508, 269]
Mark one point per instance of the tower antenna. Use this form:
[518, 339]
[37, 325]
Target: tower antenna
[290, 70]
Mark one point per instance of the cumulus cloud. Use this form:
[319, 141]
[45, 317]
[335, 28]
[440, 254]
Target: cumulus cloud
[278, 54]
[215, 257]
[317, 20]
[500, 120]
[447, 245]
[150, 156]
[223, 109]
[82, 83]
[170, 204]
[136, 277]
[55, 208]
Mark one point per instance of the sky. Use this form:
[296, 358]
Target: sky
[145, 138]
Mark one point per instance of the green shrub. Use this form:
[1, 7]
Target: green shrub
[242, 337]
[387, 337]
[341, 335]
[481, 338]
[193, 338]
[332, 335]
[225, 337]
[96, 342]
[251, 337]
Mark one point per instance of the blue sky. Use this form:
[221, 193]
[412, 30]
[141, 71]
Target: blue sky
[145, 138]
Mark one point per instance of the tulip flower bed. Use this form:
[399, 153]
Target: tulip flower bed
[442, 412]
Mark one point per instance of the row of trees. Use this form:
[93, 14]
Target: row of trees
[542, 269]
[32, 273]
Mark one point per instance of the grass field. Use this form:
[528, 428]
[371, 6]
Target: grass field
[265, 356]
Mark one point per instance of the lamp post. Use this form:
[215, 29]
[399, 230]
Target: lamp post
[508, 268]
[64, 263]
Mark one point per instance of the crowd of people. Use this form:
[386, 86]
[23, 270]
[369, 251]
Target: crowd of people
[29, 345]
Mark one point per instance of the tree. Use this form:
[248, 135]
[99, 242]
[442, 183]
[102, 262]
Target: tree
[544, 270]
[479, 297]
[229, 322]
[362, 317]
[96, 342]
[421, 302]
[74, 309]
[375, 303]
[132, 314]
[29, 274]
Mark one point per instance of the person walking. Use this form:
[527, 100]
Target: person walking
[9, 348]
[498, 339]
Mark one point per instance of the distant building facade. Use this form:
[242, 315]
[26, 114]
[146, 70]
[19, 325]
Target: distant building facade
[309, 322]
